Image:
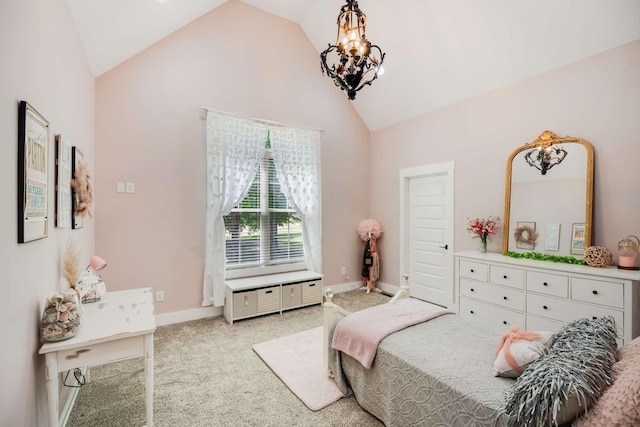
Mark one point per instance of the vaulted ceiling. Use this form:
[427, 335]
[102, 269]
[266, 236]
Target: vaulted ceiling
[438, 52]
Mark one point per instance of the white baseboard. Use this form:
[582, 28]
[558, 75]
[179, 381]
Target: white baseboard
[346, 287]
[187, 315]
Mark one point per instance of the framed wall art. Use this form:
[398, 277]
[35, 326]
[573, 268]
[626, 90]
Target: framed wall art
[33, 183]
[552, 241]
[81, 191]
[525, 235]
[63, 181]
[577, 239]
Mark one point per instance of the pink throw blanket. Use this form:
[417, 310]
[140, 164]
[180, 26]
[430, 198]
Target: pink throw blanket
[359, 334]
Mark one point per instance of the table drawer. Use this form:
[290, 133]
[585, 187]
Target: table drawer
[245, 304]
[597, 292]
[505, 297]
[291, 295]
[268, 299]
[101, 353]
[505, 276]
[474, 270]
[312, 292]
[497, 318]
[548, 284]
[566, 310]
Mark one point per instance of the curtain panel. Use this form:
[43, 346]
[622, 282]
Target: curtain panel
[296, 155]
[234, 149]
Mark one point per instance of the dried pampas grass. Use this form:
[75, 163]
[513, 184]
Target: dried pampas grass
[71, 264]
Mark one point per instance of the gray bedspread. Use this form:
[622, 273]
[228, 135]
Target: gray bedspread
[437, 373]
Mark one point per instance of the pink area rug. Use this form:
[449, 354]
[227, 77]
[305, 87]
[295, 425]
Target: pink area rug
[297, 360]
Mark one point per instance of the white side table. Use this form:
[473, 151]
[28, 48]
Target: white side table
[118, 327]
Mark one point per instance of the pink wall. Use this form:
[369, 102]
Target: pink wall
[237, 59]
[44, 64]
[597, 99]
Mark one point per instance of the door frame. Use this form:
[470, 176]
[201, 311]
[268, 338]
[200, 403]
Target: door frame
[420, 171]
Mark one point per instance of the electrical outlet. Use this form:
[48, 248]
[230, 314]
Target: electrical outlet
[160, 296]
[343, 271]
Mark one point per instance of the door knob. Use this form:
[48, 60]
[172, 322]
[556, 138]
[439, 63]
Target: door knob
[445, 247]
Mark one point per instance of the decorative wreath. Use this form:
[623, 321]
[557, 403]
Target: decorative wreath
[83, 191]
[526, 235]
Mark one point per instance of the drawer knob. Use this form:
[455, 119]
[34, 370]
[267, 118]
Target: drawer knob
[505, 276]
[504, 321]
[545, 284]
[471, 311]
[595, 318]
[545, 307]
[471, 289]
[504, 298]
[472, 270]
[595, 292]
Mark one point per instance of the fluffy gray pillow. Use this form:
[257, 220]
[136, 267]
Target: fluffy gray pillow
[569, 376]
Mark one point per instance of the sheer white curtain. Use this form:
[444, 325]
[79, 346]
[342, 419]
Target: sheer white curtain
[296, 155]
[235, 147]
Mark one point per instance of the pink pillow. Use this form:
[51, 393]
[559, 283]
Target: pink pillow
[619, 405]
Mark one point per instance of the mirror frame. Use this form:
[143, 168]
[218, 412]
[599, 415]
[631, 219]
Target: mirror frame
[547, 139]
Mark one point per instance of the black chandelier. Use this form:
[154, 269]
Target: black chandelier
[358, 62]
[544, 158]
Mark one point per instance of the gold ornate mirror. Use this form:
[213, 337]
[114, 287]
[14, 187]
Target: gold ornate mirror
[548, 204]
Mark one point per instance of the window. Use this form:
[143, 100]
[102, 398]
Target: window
[263, 229]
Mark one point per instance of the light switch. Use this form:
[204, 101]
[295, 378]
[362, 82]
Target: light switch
[120, 187]
[131, 187]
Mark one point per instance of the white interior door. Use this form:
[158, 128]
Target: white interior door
[428, 231]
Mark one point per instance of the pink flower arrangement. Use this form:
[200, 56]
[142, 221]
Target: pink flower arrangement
[484, 227]
[369, 227]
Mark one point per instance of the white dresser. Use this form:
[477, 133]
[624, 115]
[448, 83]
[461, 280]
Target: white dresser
[502, 292]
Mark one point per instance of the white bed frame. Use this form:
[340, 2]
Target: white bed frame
[332, 314]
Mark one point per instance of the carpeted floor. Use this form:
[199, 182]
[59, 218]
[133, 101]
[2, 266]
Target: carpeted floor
[207, 374]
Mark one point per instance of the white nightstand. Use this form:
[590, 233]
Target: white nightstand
[120, 326]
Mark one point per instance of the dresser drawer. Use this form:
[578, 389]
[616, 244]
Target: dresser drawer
[497, 318]
[505, 297]
[474, 270]
[291, 296]
[548, 284]
[268, 300]
[312, 292]
[536, 323]
[245, 304]
[597, 292]
[505, 276]
[564, 310]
